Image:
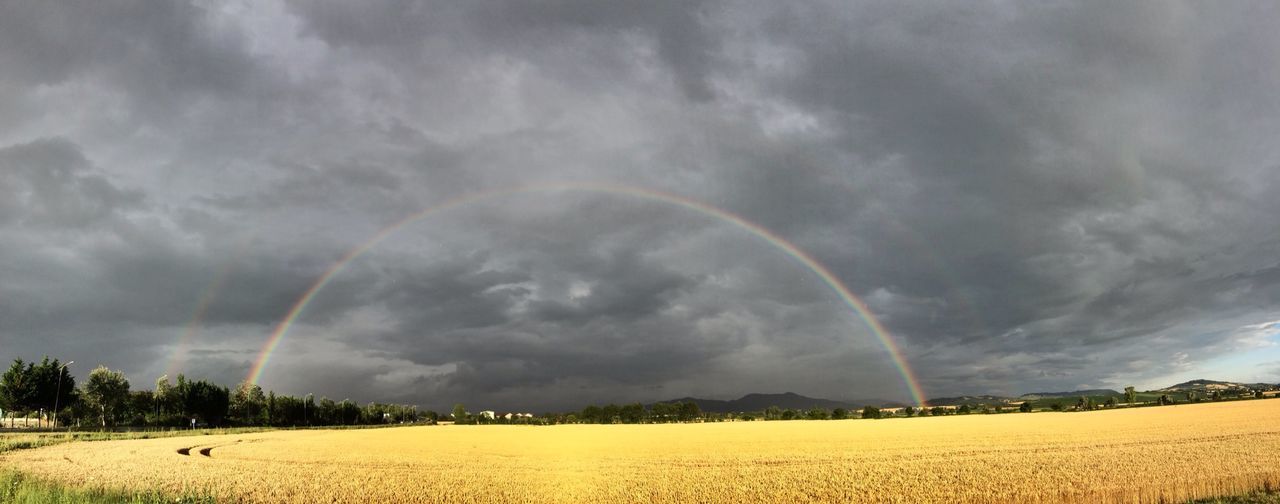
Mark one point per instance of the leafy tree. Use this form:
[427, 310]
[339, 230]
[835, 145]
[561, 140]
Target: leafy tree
[1130, 395]
[910, 411]
[870, 412]
[1217, 395]
[17, 389]
[1056, 406]
[204, 400]
[937, 411]
[248, 404]
[166, 396]
[818, 414]
[611, 413]
[106, 391]
[54, 386]
[689, 411]
[1164, 400]
[772, 413]
[662, 412]
[1111, 402]
[964, 409]
[1025, 407]
[839, 414]
[632, 413]
[459, 413]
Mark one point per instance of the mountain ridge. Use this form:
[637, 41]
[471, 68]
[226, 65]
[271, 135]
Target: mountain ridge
[757, 401]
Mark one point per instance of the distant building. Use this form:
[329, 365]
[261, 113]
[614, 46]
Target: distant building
[487, 414]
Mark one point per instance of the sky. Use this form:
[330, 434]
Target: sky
[1027, 196]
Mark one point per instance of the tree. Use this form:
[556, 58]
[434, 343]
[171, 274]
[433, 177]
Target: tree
[839, 414]
[1164, 400]
[248, 403]
[459, 413]
[1130, 395]
[1057, 406]
[204, 400]
[689, 411]
[818, 414]
[106, 391]
[1025, 407]
[772, 413]
[166, 397]
[54, 386]
[1111, 402]
[632, 413]
[870, 412]
[964, 409]
[17, 389]
[937, 411]
[910, 411]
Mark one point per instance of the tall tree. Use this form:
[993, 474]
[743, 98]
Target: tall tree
[204, 400]
[17, 389]
[247, 404]
[1130, 395]
[54, 386]
[107, 391]
[166, 396]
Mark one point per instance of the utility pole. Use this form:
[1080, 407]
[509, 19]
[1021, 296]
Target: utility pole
[58, 394]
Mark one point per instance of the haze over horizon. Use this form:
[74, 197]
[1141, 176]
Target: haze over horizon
[1029, 197]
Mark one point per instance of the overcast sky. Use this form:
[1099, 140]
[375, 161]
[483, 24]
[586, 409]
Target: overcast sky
[1029, 196]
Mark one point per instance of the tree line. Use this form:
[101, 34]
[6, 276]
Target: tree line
[47, 390]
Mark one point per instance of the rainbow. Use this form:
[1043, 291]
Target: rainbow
[179, 355]
[852, 301]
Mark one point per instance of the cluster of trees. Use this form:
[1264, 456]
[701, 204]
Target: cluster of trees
[636, 413]
[47, 390]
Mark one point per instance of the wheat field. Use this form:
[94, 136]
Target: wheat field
[1166, 454]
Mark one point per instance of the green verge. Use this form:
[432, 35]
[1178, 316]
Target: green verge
[19, 488]
[1253, 498]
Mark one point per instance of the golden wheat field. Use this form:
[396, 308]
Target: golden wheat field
[1166, 454]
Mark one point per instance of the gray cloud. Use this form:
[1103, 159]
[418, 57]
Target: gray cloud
[1028, 196]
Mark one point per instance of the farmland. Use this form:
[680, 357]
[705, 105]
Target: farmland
[1131, 455]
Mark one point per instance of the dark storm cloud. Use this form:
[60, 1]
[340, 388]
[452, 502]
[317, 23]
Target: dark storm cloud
[1029, 196]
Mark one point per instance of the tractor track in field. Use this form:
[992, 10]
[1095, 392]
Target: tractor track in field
[207, 451]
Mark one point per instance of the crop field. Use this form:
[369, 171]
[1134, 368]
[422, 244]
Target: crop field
[1164, 454]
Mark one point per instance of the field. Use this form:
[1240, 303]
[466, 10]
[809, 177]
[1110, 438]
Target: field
[1162, 454]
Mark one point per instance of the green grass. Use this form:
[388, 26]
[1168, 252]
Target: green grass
[1253, 498]
[18, 488]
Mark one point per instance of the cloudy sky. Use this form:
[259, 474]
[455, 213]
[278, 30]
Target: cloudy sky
[1029, 196]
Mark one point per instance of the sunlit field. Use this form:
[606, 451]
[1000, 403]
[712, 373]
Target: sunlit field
[1140, 455]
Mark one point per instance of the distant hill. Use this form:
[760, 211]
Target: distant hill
[1211, 385]
[1075, 393]
[971, 400]
[792, 400]
[788, 400]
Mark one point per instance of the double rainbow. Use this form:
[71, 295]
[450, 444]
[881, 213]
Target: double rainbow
[850, 300]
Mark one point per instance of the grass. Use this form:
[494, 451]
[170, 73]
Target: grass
[19, 488]
[1251, 498]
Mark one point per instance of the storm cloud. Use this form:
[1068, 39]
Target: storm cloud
[1028, 196]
